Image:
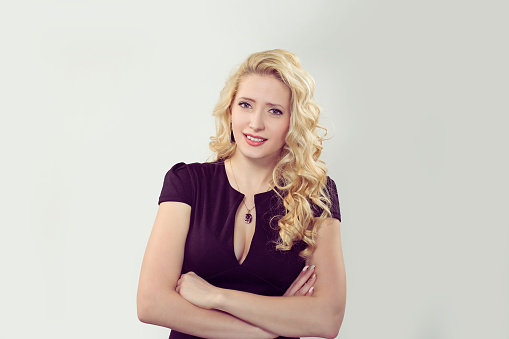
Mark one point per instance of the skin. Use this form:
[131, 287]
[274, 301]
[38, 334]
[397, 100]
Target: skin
[312, 306]
[319, 315]
[261, 108]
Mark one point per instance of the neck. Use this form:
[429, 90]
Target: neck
[252, 175]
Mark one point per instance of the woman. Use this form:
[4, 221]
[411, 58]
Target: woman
[248, 246]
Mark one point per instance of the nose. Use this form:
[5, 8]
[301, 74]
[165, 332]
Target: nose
[256, 122]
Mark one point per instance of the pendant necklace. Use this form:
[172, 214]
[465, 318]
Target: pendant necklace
[248, 217]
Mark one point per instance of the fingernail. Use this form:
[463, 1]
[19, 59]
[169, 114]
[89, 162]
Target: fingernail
[313, 276]
[305, 268]
[312, 267]
[311, 289]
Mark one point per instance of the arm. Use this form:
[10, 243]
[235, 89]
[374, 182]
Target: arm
[157, 301]
[320, 314]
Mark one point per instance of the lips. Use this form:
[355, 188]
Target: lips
[254, 140]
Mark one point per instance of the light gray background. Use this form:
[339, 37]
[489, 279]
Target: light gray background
[98, 99]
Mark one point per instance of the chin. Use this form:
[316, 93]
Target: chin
[256, 155]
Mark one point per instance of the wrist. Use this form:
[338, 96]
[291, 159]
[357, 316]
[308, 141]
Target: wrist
[219, 299]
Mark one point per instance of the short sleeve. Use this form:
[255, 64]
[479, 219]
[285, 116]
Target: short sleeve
[332, 192]
[334, 199]
[177, 185]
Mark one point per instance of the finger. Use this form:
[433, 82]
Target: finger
[310, 292]
[300, 280]
[307, 286]
[311, 281]
[294, 287]
[179, 283]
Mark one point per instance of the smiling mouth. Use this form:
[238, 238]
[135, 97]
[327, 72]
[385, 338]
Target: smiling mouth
[254, 138]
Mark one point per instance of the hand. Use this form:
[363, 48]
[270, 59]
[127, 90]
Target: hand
[303, 284]
[197, 291]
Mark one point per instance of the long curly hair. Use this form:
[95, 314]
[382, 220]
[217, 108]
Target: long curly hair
[299, 177]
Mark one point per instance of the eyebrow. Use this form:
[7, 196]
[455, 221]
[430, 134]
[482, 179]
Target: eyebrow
[253, 100]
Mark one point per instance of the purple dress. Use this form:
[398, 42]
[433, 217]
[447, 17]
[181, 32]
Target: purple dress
[209, 248]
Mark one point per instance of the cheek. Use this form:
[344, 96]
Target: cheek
[285, 129]
[234, 118]
[236, 114]
[282, 132]
[236, 123]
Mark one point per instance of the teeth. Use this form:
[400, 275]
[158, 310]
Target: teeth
[255, 139]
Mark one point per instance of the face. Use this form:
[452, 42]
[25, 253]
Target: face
[261, 117]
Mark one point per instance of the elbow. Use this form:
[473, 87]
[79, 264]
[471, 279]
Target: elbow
[143, 315]
[143, 309]
[152, 305]
[145, 306]
[333, 331]
[157, 306]
[329, 331]
[329, 328]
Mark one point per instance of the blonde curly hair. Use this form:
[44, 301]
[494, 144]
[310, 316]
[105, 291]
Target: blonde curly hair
[299, 174]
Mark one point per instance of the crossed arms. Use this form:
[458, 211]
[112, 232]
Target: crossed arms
[189, 304]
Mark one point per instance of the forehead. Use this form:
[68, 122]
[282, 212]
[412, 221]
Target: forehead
[264, 89]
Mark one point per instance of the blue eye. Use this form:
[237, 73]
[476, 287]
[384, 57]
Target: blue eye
[244, 104]
[276, 111]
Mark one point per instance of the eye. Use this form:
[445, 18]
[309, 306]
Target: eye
[275, 111]
[244, 104]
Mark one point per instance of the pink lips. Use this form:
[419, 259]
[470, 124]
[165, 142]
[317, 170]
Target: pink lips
[252, 142]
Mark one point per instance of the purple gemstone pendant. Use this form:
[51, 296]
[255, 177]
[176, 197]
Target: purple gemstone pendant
[248, 218]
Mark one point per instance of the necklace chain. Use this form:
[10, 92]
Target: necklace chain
[236, 183]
